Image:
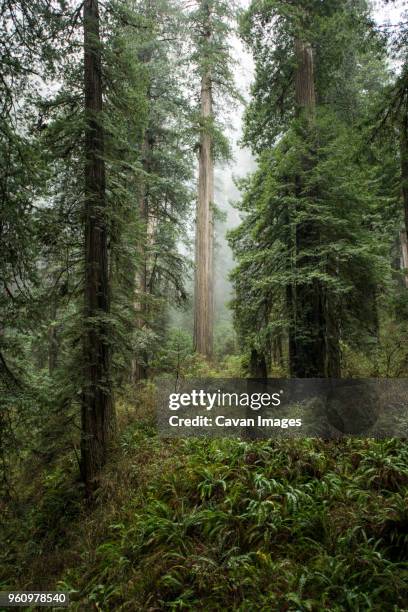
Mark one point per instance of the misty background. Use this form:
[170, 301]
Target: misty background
[227, 192]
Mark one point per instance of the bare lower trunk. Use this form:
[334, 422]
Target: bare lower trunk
[257, 366]
[305, 96]
[97, 402]
[204, 281]
[277, 350]
[332, 334]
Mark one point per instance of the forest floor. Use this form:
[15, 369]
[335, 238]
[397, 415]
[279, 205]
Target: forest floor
[218, 525]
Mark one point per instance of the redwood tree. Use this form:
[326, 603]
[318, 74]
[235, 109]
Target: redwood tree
[204, 275]
[97, 402]
[212, 22]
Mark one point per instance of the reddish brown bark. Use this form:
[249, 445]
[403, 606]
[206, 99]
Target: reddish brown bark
[204, 274]
[305, 95]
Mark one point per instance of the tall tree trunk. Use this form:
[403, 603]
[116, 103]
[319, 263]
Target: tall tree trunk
[140, 370]
[305, 95]
[139, 366]
[204, 273]
[307, 346]
[404, 185]
[331, 336]
[98, 417]
[404, 166]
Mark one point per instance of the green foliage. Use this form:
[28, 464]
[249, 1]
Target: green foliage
[177, 358]
[348, 58]
[205, 524]
[339, 197]
[320, 214]
[214, 53]
[176, 355]
[198, 524]
[41, 213]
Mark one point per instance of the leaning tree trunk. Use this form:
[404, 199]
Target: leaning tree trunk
[307, 341]
[140, 369]
[204, 274]
[139, 366]
[97, 402]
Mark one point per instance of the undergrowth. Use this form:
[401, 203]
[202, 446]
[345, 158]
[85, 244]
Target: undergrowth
[194, 524]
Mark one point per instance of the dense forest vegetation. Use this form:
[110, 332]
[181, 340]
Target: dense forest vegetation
[115, 120]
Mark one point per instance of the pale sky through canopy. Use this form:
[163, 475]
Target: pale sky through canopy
[243, 163]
